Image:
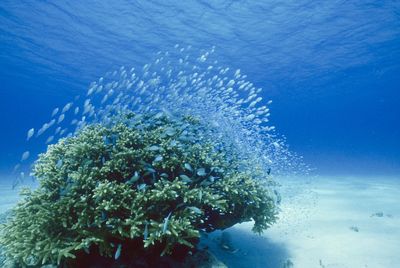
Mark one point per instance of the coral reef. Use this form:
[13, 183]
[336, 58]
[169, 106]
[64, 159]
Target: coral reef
[145, 185]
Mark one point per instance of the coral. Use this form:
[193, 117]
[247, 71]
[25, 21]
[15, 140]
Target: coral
[147, 183]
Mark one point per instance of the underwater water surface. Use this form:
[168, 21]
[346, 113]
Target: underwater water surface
[307, 89]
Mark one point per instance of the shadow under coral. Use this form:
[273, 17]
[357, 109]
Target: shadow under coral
[245, 249]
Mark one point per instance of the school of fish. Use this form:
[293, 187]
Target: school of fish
[177, 82]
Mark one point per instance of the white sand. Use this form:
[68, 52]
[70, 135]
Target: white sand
[314, 229]
[314, 226]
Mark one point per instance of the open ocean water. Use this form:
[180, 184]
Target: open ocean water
[317, 81]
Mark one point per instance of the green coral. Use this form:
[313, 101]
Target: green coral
[148, 180]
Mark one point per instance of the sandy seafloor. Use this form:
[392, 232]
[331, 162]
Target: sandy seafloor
[324, 222]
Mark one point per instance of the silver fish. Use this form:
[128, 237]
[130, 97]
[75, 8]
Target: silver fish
[66, 107]
[30, 134]
[60, 118]
[166, 220]
[55, 111]
[118, 252]
[25, 156]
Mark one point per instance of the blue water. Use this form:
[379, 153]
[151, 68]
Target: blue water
[332, 68]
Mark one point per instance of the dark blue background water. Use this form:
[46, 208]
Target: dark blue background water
[332, 68]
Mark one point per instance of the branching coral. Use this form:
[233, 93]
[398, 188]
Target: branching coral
[148, 181]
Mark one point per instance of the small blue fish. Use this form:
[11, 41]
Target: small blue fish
[150, 170]
[158, 158]
[30, 134]
[59, 163]
[185, 178]
[25, 156]
[154, 148]
[188, 167]
[195, 210]
[114, 138]
[278, 197]
[141, 187]
[212, 178]
[103, 216]
[110, 140]
[201, 172]
[146, 231]
[170, 131]
[134, 178]
[166, 220]
[118, 252]
[158, 115]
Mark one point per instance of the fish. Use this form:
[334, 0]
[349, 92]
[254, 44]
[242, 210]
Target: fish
[185, 178]
[51, 123]
[66, 107]
[42, 129]
[16, 167]
[188, 167]
[55, 111]
[91, 90]
[141, 187]
[158, 158]
[165, 225]
[30, 134]
[195, 210]
[230, 83]
[250, 117]
[199, 85]
[201, 172]
[18, 179]
[135, 177]
[146, 231]
[60, 118]
[59, 163]
[150, 170]
[104, 99]
[170, 132]
[62, 132]
[118, 252]
[87, 108]
[253, 103]
[237, 73]
[278, 197]
[25, 156]
[49, 139]
[154, 148]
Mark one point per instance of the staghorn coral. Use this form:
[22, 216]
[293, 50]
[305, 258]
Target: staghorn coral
[144, 184]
